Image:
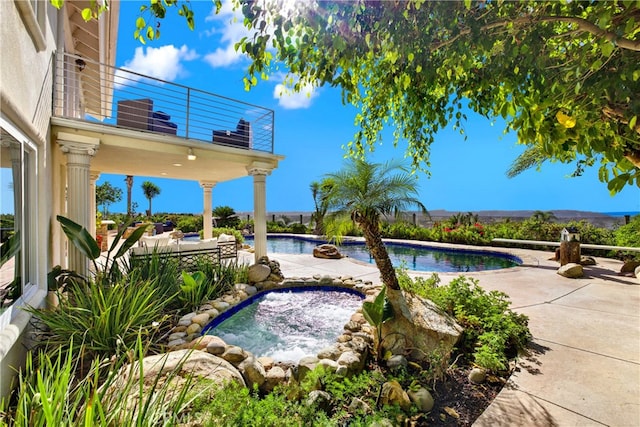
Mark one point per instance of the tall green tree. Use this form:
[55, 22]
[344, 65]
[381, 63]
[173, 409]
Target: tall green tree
[364, 193]
[150, 191]
[564, 75]
[107, 194]
[319, 192]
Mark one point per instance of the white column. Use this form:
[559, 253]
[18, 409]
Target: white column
[206, 213]
[78, 150]
[93, 176]
[259, 174]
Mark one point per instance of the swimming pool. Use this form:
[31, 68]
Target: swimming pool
[411, 256]
[287, 324]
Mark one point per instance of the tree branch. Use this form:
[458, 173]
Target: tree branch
[589, 27]
[583, 25]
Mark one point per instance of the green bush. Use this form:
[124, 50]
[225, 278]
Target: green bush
[217, 279]
[493, 332]
[628, 234]
[104, 320]
[189, 223]
[163, 271]
[229, 231]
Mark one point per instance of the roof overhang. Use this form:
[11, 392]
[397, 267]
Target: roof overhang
[139, 153]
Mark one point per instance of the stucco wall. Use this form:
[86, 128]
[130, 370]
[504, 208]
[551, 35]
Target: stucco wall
[26, 76]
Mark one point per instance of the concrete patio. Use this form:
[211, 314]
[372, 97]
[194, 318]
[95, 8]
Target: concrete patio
[584, 364]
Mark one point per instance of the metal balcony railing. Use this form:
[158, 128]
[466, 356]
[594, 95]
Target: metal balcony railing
[94, 92]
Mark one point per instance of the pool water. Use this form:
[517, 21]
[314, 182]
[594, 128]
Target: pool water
[287, 325]
[412, 257]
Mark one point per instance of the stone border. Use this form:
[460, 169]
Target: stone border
[345, 357]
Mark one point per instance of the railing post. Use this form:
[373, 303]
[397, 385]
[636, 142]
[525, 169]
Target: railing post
[188, 109]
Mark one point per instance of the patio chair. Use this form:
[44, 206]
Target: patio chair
[241, 137]
[139, 114]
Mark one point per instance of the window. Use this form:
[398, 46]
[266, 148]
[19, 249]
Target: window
[17, 220]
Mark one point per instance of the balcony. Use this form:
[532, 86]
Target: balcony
[92, 92]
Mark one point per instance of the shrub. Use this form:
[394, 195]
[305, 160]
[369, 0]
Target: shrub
[189, 223]
[628, 234]
[492, 333]
[230, 231]
[103, 320]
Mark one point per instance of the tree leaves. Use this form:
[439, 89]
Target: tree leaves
[403, 63]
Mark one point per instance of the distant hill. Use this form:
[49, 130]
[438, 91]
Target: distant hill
[563, 215]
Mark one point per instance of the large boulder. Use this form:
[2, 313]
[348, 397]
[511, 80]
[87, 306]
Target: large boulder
[258, 273]
[418, 327]
[175, 368]
[571, 271]
[327, 251]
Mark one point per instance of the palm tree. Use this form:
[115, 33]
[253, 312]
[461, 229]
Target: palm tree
[363, 193]
[150, 191]
[320, 191]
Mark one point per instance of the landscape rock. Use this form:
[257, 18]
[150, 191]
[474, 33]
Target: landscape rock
[175, 367]
[629, 267]
[253, 372]
[397, 361]
[193, 328]
[327, 251]
[321, 399]
[328, 365]
[393, 394]
[234, 354]
[587, 260]
[258, 273]
[247, 289]
[353, 361]
[419, 327]
[266, 361]
[325, 281]
[332, 352]
[216, 346]
[571, 271]
[477, 375]
[422, 399]
[220, 305]
[306, 365]
[201, 319]
[359, 405]
[274, 377]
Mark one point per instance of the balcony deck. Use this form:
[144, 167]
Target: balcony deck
[146, 126]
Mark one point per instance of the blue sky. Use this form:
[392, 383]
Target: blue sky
[311, 128]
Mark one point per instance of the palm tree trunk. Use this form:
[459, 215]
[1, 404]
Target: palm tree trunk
[380, 254]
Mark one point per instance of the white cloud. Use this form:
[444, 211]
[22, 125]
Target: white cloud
[164, 62]
[291, 100]
[227, 23]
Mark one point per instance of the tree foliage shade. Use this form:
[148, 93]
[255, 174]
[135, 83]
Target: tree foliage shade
[563, 75]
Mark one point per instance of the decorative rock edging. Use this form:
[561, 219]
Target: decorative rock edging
[347, 356]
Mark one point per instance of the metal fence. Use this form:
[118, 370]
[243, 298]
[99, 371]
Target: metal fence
[95, 92]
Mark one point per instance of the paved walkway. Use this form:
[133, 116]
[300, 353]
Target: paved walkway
[584, 367]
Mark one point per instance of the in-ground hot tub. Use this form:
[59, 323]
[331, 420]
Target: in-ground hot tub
[287, 324]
